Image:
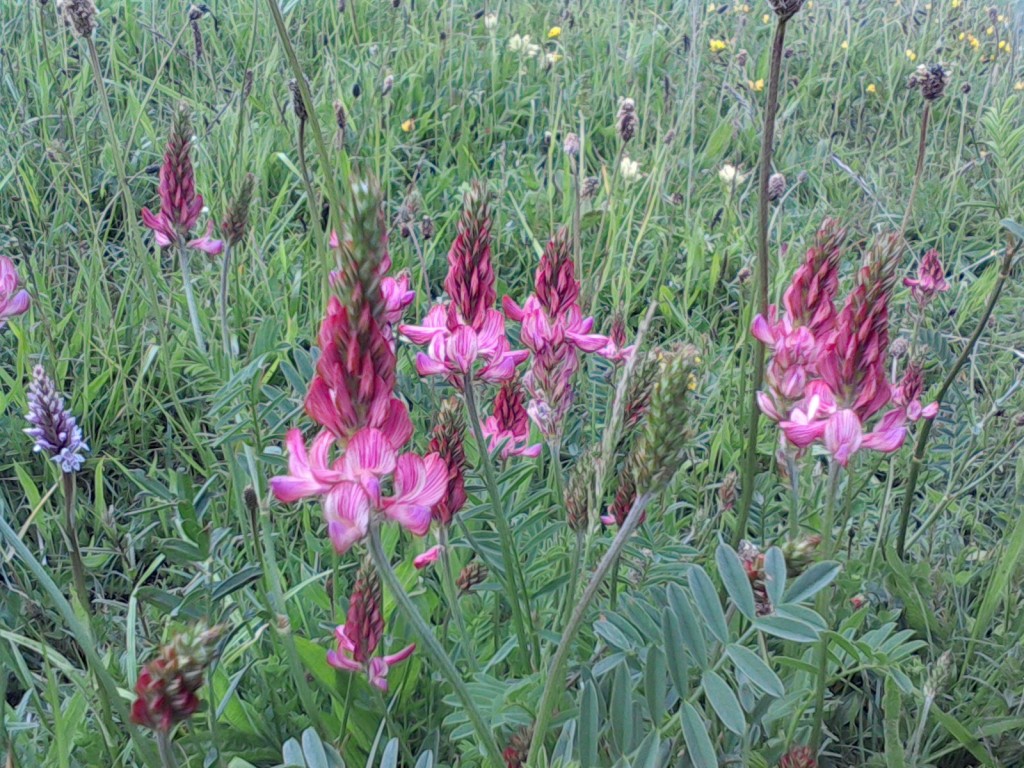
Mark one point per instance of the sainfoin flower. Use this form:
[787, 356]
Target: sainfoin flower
[180, 204]
[466, 335]
[352, 397]
[509, 425]
[930, 280]
[53, 427]
[555, 331]
[447, 443]
[853, 386]
[13, 301]
[360, 635]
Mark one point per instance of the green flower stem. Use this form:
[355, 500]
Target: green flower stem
[225, 327]
[448, 580]
[926, 426]
[190, 297]
[749, 470]
[430, 644]
[822, 604]
[74, 551]
[166, 749]
[515, 584]
[555, 683]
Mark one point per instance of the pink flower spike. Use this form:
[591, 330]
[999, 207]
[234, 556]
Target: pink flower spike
[931, 279]
[13, 302]
[427, 558]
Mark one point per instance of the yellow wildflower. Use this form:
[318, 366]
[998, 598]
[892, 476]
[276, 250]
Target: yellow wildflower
[1001, 19]
[1019, 85]
[872, 88]
[990, 31]
[717, 46]
[975, 43]
[712, 7]
[408, 125]
[766, 18]
[956, 3]
[810, 4]
[554, 32]
[756, 85]
[845, 44]
[962, 36]
[911, 55]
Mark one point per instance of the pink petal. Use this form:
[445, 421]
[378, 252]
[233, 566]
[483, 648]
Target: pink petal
[16, 305]
[885, 440]
[589, 342]
[843, 435]
[428, 366]
[512, 310]
[462, 349]
[339, 661]
[930, 411]
[300, 482]
[427, 558]
[397, 426]
[347, 511]
[802, 435]
[402, 655]
[207, 243]
[369, 453]
[419, 484]
[767, 407]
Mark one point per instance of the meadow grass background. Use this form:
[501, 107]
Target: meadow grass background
[176, 435]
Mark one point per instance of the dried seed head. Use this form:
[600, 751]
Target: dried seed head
[744, 275]
[626, 120]
[473, 575]
[237, 219]
[590, 186]
[932, 79]
[571, 145]
[247, 84]
[79, 15]
[899, 348]
[776, 186]
[388, 84]
[578, 488]
[741, 57]
[727, 491]
[785, 9]
[427, 227]
[670, 137]
[197, 39]
[341, 119]
[298, 104]
[252, 501]
[659, 450]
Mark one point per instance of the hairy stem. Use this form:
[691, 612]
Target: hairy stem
[448, 579]
[922, 145]
[749, 469]
[166, 749]
[515, 583]
[555, 683]
[190, 298]
[431, 646]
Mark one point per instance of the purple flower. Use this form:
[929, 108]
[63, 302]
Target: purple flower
[54, 429]
[12, 300]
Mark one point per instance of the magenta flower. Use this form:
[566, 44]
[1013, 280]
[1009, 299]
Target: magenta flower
[180, 204]
[467, 330]
[555, 331]
[930, 280]
[350, 487]
[510, 424]
[13, 302]
[908, 396]
[359, 637]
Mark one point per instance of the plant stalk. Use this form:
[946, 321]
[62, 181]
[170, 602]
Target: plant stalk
[74, 550]
[225, 327]
[749, 469]
[555, 683]
[430, 644]
[190, 297]
[926, 427]
[827, 548]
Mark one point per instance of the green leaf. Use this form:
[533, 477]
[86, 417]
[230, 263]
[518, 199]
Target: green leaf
[589, 726]
[958, 731]
[655, 683]
[425, 760]
[724, 702]
[735, 579]
[775, 574]
[891, 707]
[676, 656]
[646, 755]
[756, 669]
[390, 757]
[1013, 228]
[698, 743]
[235, 582]
[707, 603]
[787, 629]
[812, 581]
[692, 633]
[621, 710]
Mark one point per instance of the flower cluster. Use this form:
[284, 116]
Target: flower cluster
[13, 301]
[930, 280]
[467, 330]
[509, 426]
[827, 377]
[555, 331]
[53, 428]
[166, 691]
[360, 635]
[352, 397]
[180, 204]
